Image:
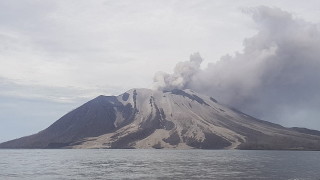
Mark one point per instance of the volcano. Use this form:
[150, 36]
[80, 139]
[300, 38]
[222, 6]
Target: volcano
[177, 119]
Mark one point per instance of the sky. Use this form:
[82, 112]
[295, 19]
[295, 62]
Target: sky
[56, 55]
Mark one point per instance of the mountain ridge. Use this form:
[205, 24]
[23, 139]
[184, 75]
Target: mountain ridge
[177, 119]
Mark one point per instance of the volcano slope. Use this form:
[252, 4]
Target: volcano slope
[177, 119]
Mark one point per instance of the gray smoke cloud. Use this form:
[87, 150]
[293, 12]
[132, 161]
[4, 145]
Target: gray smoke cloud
[276, 77]
[182, 75]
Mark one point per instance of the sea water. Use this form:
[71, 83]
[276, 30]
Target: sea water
[158, 164]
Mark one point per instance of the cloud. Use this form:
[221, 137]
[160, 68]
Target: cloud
[275, 77]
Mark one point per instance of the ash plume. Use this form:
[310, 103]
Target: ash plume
[276, 77]
[182, 75]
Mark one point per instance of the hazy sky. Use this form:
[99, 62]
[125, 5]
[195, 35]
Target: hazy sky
[56, 55]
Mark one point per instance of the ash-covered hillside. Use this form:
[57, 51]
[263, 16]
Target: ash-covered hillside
[181, 119]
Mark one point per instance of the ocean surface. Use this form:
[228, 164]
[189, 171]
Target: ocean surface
[158, 164]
